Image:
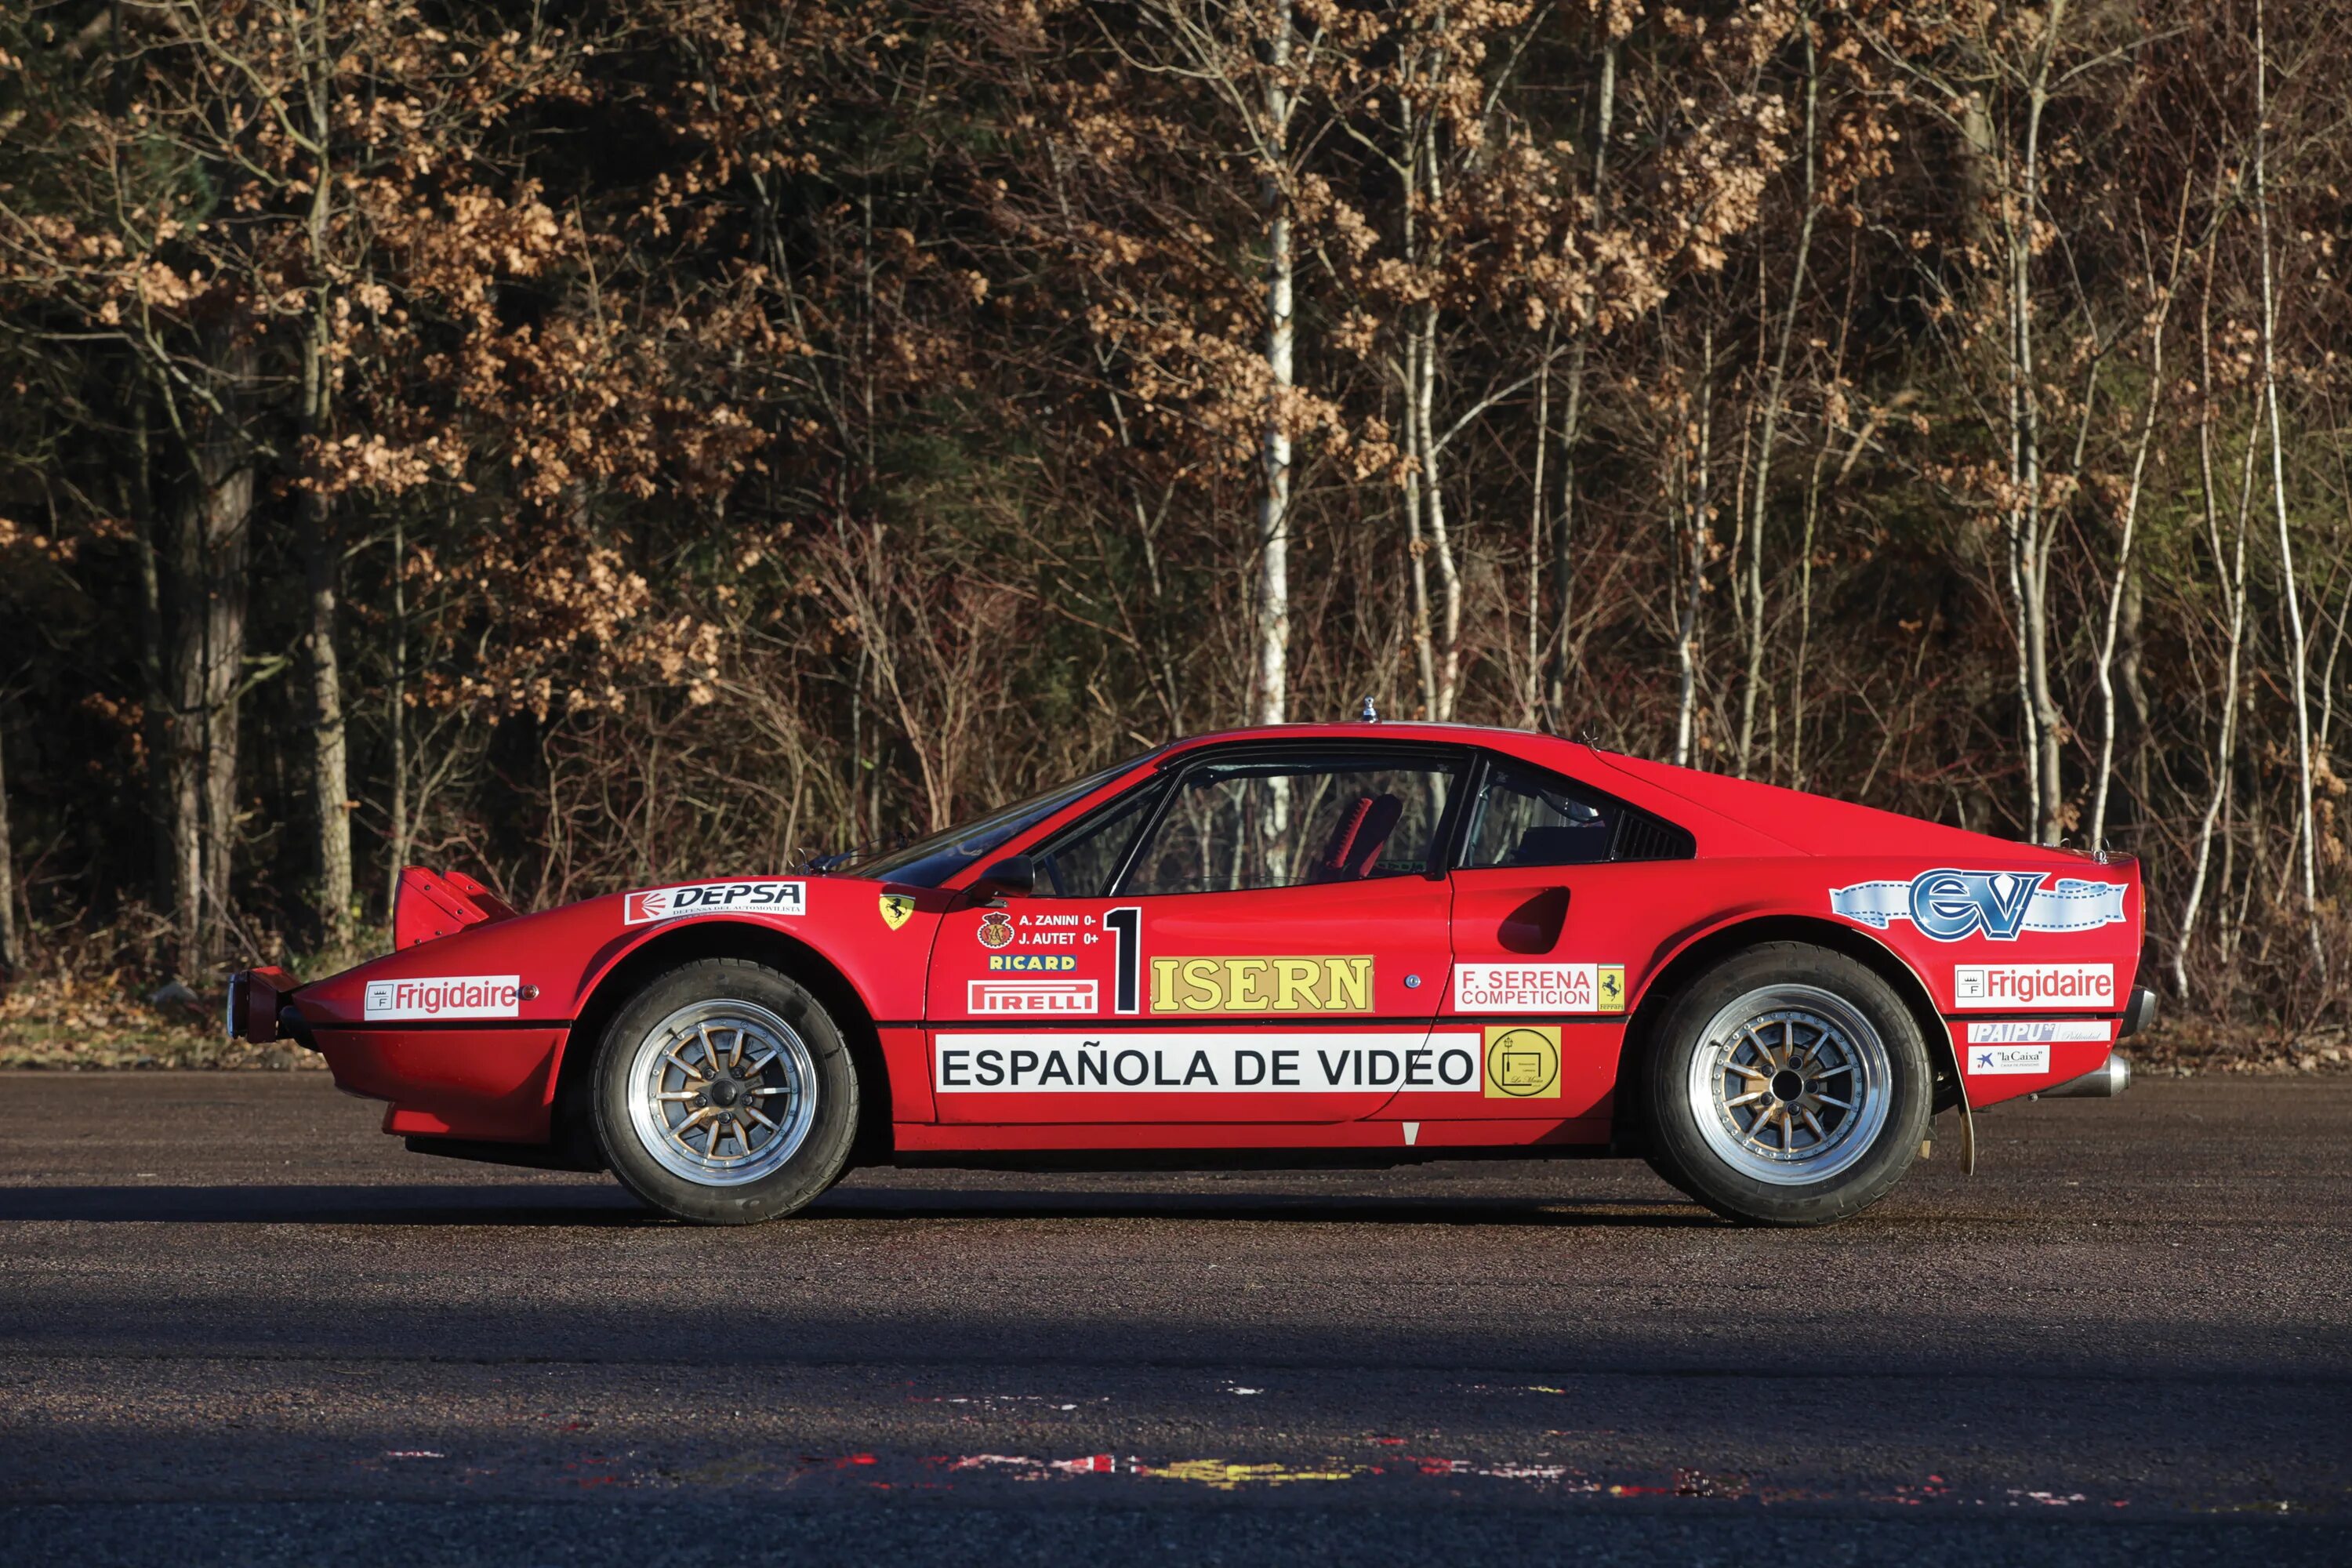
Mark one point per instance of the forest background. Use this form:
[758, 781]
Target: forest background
[586, 444]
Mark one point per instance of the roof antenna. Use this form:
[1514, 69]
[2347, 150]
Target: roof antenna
[1369, 715]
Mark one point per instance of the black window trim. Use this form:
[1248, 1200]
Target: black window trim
[1468, 763]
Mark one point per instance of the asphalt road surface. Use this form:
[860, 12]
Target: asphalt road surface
[237, 1325]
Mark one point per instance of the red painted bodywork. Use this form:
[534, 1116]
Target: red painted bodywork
[486, 1000]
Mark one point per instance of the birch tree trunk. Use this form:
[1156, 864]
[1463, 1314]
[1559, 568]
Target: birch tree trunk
[1563, 558]
[2234, 600]
[2119, 592]
[1775, 391]
[2305, 827]
[321, 548]
[1273, 506]
[1694, 507]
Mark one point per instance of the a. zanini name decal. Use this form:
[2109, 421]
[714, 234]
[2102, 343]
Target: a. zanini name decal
[1206, 1064]
[2083, 987]
[457, 996]
[1032, 996]
[1950, 905]
[1539, 987]
[714, 898]
[1261, 985]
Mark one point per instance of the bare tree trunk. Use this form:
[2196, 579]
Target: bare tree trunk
[2234, 597]
[2124, 562]
[2029, 552]
[210, 531]
[11, 950]
[1274, 507]
[321, 548]
[1531, 678]
[1775, 387]
[1563, 553]
[2306, 825]
[1696, 501]
[1441, 543]
[396, 722]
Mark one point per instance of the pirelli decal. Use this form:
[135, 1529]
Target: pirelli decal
[1262, 984]
[1192, 1062]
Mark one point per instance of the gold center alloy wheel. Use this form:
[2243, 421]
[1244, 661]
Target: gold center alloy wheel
[722, 1092]
[1790, 1084]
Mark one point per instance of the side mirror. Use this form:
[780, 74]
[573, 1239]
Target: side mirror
[1015, 877]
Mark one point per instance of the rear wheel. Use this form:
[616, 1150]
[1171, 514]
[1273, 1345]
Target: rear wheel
[1790, 1086]
[724, 1094]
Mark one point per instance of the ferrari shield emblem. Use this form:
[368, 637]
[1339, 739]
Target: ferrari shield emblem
[896, 908]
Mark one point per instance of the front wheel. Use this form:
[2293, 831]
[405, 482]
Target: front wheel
[1789, 1086]
[724, 1094]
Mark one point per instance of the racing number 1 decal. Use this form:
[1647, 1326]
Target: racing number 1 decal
[1126, 925]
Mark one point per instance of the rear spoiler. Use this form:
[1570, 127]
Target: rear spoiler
[441, 903]
[430, 904]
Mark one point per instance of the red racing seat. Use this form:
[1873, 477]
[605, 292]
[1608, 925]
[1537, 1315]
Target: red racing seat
[1357, 839]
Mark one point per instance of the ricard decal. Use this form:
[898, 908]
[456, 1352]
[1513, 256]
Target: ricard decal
[439, 996]
[1949, 906]
[714, 898]
[1999, 988]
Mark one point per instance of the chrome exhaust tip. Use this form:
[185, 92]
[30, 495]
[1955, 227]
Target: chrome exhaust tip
[2105, 1081]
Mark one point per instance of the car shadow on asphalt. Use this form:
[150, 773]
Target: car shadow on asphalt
[600, 1204]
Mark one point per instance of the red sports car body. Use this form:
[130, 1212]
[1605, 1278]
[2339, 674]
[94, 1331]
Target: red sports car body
[1372, 942]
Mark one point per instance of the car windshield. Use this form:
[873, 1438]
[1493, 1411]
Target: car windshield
[928, 862]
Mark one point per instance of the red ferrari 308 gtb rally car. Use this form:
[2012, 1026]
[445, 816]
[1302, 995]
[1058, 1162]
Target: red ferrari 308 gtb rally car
[1347, 942]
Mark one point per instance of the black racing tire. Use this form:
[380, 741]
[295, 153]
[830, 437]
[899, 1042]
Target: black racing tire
[1749, 1066]
[675, 1037]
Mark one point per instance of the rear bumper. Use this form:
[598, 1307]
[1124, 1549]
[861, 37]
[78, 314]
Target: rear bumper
[494, 1085]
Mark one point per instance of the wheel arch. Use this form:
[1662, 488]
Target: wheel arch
[1703, 951]
[683, 944]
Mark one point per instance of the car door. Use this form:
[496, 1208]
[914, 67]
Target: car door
[1260, 934]
[1552, 922]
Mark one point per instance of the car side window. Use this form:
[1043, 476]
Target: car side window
[1283, 822]
[1082, 863]
[1527, 816]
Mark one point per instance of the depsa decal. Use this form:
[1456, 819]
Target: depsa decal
[1950, 905]
[1191, 1063]
[454, 996]
[714, 898]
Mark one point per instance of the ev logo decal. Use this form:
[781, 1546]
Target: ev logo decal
[1949, 906]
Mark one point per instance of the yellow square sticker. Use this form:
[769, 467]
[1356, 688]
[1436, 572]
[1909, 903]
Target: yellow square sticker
[1523, 1062]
